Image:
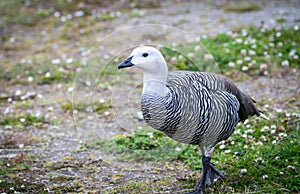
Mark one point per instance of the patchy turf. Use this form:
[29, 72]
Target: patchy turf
[61, 118]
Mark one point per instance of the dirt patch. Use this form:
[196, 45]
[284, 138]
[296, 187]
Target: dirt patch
[53, 156]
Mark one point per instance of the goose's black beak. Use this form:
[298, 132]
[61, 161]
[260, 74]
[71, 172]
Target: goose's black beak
[126, 63]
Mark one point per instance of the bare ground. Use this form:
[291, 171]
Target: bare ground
[54, 153]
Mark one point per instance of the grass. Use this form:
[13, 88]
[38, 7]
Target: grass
[39, 71]
[20, 12]
[22, 121]
[243, 7]
[270, 156]
[267, 150]
[82, 106]
[253, 51]
[18, 184]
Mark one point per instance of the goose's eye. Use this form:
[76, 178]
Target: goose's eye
[145, 55]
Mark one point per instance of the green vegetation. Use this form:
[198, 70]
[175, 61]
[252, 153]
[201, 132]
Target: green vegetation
[20, 12]
[18, 184]
[252, 51]
[82, 106]
[148, 145]
[40, 71]
[22, 121]
[48, 46]
[242, 7]
[261, 156]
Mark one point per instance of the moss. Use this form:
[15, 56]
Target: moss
[242, 7]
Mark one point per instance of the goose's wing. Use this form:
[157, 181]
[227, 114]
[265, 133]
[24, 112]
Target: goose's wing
[216, 82]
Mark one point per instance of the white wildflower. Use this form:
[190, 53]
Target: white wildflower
[259, 143]
[70, 89]
[252, 52]
[12, 39]
[280, 44]
[244, 32]
[69, 60]
[252, 64]
[243, 171]
[190, 55]
[150, 135]
[281, 135]
[173, 59]
[289, 167]
[208, 57]
[118, 14]
[63, 18]
[56, 14]
[285, 63]
[239, 62]
[238, 40]
[204, 36]
[273, 126]
[245, 68]
[229, 33]
[22, 120]
[231, 64]
[222, 146]
[254, 46]
[263, 67]
[263, 138]
[69, 16]
[18, 92]
[243, 52]
[197, 48]
[227, 151]
[79, 13]
[30, 78]
[265, 176]
[278, 34]
[50, 109]
[48, 74]
[247, 58]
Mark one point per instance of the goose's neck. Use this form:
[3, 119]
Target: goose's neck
[155, 86]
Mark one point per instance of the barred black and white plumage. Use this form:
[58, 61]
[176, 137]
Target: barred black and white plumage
[190, 107]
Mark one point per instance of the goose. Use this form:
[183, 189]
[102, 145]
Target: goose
[196, 108]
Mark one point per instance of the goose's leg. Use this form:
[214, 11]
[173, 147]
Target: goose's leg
[209, 172]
